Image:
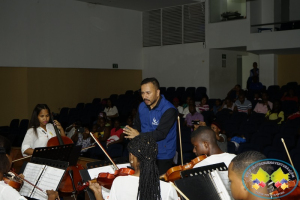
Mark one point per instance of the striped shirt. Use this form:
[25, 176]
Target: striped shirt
[243, 107]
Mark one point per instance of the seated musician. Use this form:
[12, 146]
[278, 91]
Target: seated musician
[144, 183]
[6, 191]
[235, 172]
[205, 142]
[40, 130]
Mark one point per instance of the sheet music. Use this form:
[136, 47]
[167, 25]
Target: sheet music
[224, 177]
[31, 173]
[219, 186]
[49, 180]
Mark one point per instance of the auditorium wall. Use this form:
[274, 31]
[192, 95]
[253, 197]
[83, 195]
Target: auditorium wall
[23, 87]
[288, 69]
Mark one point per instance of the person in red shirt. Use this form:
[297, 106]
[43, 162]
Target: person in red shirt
[116, 134]
[290, 96]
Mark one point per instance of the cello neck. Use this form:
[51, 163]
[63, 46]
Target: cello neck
[60, 140]
[96, 140]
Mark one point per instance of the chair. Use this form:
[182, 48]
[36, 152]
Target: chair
[163, 90]
[115, 150]
[289, 107]
[96, 101]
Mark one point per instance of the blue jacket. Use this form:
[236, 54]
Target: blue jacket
[150, 119]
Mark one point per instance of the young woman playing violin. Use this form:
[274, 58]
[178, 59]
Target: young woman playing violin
[40, 130]
[6, 191]
[144, 183]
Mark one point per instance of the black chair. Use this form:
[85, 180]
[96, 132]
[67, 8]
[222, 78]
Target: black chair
[96, 101]
[289, 107]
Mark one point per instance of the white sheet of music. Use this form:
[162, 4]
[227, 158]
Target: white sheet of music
[224, 176]
[219, 186]
[49, 180]
[31, 173]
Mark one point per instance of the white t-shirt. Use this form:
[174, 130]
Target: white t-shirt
[180, 109]
[33, 141]
[216, 158]
[9, 193]
[185, 112]
[126, 188]
[111, 111]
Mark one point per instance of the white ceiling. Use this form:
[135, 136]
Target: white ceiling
[141, 5]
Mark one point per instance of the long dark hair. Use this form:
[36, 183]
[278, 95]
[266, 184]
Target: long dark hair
[5, 148]
[34, 121]
[145, 149]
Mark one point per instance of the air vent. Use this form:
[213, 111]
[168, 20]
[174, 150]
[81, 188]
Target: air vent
[172, 25]
[152, 28]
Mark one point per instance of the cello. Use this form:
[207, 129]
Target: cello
[72, 177]
[106, 179]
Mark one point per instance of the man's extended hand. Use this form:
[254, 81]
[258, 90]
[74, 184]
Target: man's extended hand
[130, 132]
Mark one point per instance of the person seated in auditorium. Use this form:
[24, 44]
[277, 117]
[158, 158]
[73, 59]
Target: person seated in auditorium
[179, 108]
[256, 85]
[40, 130]
[95, 131]
[228, 104]
[70, 130]
[264, 105]
[187, 102]
[129, 121]
[111, 110]
[294, 115]
[133, 114]
[6, 191]
[236, 170]
[205, 143]
[193, 116]
[116, 134]
[187, 109]
[203, 106]
[242, 104]
[234, 92]
[290, 96]
[144, 183]
[217, 107]
[84, 139]
[102, 115]
[276, 114]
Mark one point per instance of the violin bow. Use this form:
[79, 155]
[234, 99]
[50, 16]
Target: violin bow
[96, 140]
[179, 130]
[28, 182]
[287, 152]
[178, 190]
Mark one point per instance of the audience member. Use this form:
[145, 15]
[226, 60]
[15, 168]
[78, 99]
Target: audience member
[83, 139]
[193, 116]
[111, 110]
[102, 115]
[218, 106]
[203, 106]
[70, 130]
[294, 115]
[187, 110]
[228, 104]
[290, 96]
[256, 85]
[243, 105]
[176, 105]
[276, 114]
[116, 134]
[187, 102]
[133, 114]
[254, 71]
[205, 143]
[234, 92]
[129, 121]
[221, 138]
[256, 96]
[264, 105]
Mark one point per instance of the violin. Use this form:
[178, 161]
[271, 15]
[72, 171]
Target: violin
[173, 173]
[13, 181]
[106, 179]
[72, 177]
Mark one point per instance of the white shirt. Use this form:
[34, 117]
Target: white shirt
[180, 109]
[70, 133]
[126, 188]
[31, 140]
[111, 111]
[216, 158]
[185, 112]
[9, 193]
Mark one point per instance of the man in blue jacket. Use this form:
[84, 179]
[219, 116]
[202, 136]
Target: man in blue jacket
[156, 116]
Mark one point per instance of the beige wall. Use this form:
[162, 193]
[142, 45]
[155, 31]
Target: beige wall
[288, 69]
[23, 88]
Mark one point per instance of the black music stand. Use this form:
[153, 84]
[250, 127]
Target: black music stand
[196, 183]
